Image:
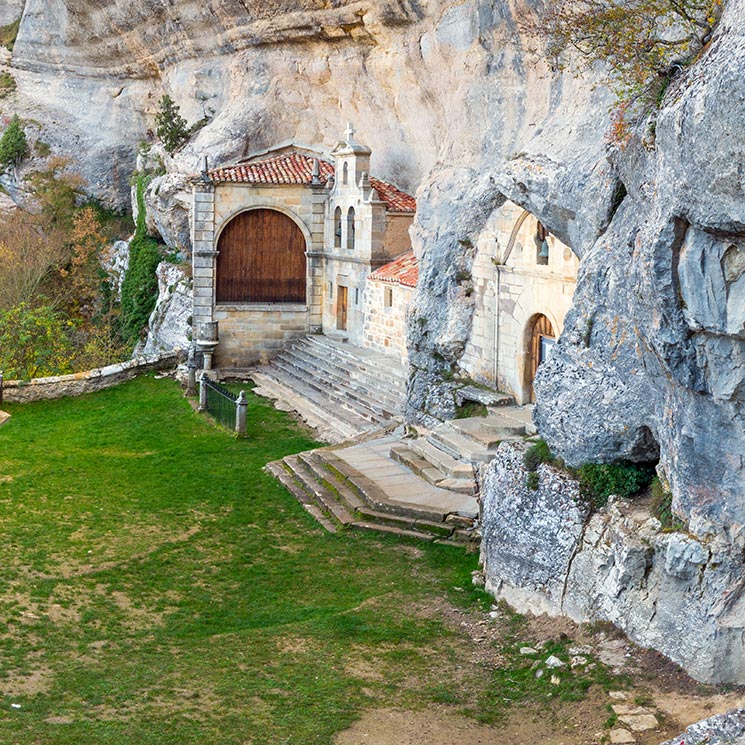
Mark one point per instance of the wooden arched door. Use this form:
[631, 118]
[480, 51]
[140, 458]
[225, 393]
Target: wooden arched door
[540, 345]
[261, 260]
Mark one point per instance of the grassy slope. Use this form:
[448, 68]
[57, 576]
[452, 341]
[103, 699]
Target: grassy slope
[158, 587]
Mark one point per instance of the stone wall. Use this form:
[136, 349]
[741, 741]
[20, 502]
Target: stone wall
[385, 325]
[543, 552]
[251, 334]
[40, 389]
[510, 294]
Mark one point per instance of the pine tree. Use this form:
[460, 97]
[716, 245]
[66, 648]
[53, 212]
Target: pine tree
[170, 126]
[13, 144]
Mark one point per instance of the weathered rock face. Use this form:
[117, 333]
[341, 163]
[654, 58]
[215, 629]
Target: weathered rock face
[723, 729]
[653, 355]
[10, 10]
[169, 327]
[671, 591]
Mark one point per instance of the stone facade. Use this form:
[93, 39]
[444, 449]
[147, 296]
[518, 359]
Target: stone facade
[512, 287]
[385, 307]
[351, 225]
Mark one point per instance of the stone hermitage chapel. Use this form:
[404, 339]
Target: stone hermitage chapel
[288, 243]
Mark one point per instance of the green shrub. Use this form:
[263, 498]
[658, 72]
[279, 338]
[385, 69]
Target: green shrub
[7, 84]
[170, 126]
[13, 144]
[538, 453]
[42, 149]
[9, 33]
[598, 481]
[34, 342]
[140, 286]
[662, 507]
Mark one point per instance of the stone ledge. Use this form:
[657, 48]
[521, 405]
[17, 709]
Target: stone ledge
[76, 384]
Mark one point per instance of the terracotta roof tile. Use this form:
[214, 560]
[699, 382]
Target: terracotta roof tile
[297, 168]
[403, 270]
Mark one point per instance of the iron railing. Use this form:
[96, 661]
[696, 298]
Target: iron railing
[228, 408]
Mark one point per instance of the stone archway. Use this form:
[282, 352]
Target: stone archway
[261, 259]
[540, 339]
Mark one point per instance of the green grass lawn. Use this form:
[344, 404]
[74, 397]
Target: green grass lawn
[156, 586]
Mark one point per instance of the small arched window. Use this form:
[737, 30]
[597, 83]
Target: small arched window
[350, 228]
[345, 174]
[337, 228]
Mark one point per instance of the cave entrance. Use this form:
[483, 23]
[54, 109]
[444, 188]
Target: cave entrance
[541, 341]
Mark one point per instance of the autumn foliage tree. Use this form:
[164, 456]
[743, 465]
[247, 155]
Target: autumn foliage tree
[640, 44]
[57, 311]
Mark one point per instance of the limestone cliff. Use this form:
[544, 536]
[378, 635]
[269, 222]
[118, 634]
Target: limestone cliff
[447, 95]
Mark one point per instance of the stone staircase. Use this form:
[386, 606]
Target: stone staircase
[447, 455]
[4, 416]
[360, 487]
[341, 390]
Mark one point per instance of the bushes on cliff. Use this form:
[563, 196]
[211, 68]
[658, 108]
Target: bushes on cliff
[641, 44]
[13, 144]
[170, 127]
[140, 287]
[597, 481]
[57, 311]
[34, 342]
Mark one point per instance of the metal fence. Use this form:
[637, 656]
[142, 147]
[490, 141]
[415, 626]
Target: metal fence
[228, 408]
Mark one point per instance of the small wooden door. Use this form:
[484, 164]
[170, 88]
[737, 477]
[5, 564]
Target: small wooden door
[542, 340]
[342, 305]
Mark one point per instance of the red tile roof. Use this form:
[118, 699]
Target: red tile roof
[403, 270]
[297, 168]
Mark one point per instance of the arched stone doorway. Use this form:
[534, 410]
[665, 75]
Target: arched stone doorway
[261, 259]
[541, 339]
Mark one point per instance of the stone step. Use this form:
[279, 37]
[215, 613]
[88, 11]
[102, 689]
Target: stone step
[487, 432]
[323, 492]
[376, 498]
[280, 472]
[326, 390]
[322, 402]
[441, 460]
[329, 427]
[387, 368]
[380, 403]
[519, 415]
[324, 497]
[485, 396]
[357, 360]
[363, 385]
[431, 474]
[459, 446]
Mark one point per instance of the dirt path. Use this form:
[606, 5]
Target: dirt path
[657, 703]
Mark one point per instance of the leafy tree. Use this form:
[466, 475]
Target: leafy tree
[170, 126]
[13, 144]
[34, 342]
[30, 256]
[641, 43]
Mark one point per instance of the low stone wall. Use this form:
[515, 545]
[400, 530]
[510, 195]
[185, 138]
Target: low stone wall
[39, 389]
[678, 593]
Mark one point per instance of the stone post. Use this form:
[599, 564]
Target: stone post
[191, 380]
[202, 392]
[241, 407]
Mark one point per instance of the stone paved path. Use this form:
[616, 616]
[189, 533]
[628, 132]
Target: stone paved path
[373, 460]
